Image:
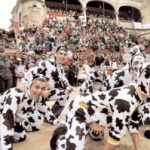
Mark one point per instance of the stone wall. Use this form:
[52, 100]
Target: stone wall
[32, 12]
[35, 15]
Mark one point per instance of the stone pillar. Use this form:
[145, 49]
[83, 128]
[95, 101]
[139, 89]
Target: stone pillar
[84, 13]
[117, 17]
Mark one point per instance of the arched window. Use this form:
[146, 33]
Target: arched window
[129, 13]
[100, 9]
[64, 4]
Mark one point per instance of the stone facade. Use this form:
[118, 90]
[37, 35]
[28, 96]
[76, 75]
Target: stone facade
[29, 12]
[32, 12]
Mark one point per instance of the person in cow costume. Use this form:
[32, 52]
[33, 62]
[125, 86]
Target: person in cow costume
[54, 72]
[23, 111]
[119, 109]
[119, 78]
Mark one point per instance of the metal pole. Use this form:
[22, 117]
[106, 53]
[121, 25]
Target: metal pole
[66, 5]
[132, 15]
[103, 9]
[66, 9]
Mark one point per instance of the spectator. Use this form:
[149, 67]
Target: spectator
[5, 72]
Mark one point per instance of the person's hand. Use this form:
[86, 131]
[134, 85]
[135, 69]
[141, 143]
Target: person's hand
[96, 128]
[46, 93]
[23, 87]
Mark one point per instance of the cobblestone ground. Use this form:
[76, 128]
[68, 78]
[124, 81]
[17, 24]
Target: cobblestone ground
[40, 140]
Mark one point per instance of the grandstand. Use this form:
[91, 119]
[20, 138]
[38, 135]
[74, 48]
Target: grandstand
[89, 29]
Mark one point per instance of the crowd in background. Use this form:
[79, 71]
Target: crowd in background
[46, 62]
[100, 41]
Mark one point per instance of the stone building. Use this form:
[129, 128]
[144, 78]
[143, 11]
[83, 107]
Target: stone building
[27, 13]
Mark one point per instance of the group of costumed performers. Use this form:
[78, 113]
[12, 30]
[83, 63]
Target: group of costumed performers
[122, 105]
[24, 108]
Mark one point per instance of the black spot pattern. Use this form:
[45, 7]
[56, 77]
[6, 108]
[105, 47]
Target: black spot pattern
[122, 105]
[119, 123]
[131, 89]
[102, 96]
[8, 100]
[80, 115]
[104, 110]
[80, 132]
[8, 119]
[8, 139]
[69, 145]
[113, 93]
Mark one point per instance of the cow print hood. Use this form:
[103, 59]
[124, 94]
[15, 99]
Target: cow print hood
[144, 79]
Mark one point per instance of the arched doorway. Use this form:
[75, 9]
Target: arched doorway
[56, 4]
[74, 4]
[100, 9]
[129, 13]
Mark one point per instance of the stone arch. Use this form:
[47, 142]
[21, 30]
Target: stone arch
[65, 4]
[101, 6]
[105, 1]
[130, 13]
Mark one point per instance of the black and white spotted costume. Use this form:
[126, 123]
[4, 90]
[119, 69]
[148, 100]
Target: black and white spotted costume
[57, 81]
[116, 109]
[86, 87]
[126, 75]
[119, 78]
[20, 114]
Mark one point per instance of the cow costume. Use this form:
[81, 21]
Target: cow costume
[86, 87]
[119, 109]
[126, 75]
[20, 113]
[119, 78]
[57, 80]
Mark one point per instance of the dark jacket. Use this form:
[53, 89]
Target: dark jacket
[5, 71]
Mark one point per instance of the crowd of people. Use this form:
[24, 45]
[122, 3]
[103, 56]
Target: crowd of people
[61, 54]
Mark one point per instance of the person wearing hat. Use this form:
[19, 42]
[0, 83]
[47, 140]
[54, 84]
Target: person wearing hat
[54, 72]
[21, 111]
[5, 72]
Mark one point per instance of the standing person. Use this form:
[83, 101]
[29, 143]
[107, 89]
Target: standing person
[20, 69]
[15, 110]
[57, 80]
[5, 72]
[114, 65]
[48, 45]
